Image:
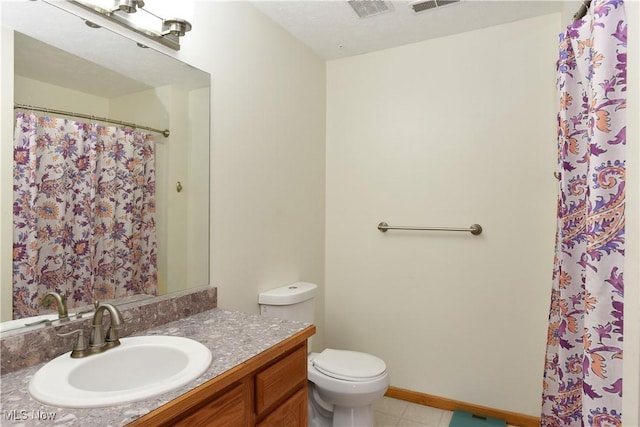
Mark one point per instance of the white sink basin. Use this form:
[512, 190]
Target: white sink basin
[139, 368]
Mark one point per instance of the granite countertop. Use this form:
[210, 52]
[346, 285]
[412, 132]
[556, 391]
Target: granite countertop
[233, 338]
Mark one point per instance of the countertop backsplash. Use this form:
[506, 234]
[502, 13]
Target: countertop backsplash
[30, 348]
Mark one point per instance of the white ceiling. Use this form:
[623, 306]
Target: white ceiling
[330, 27]
[333, 29]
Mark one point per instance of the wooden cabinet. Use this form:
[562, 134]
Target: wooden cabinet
[268, 390]
[232, 408]
[276, 382]
[292, 413]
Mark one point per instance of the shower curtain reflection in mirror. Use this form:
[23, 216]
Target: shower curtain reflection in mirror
[84, 212]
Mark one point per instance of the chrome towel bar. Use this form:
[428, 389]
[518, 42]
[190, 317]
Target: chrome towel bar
[474, 229]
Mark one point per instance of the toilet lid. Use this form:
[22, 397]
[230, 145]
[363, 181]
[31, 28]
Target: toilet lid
[349, 365]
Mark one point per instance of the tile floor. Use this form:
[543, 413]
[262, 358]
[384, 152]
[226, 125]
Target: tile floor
[390, 412]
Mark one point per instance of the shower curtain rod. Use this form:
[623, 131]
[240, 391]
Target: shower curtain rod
[584, 7]
[164, 133]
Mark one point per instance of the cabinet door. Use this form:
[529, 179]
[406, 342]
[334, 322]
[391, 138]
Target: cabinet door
[275, 383]
[292, 413]
[231, 409]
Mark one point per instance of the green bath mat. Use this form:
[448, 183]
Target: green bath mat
[467, 419]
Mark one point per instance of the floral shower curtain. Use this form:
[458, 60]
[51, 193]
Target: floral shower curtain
[583, 365]
[84, 212]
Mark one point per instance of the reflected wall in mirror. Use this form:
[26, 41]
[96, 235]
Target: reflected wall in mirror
[60, 63]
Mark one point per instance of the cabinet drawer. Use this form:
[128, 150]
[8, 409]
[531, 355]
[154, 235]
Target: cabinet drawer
[232, 408]
[292, 413]
[281, 379]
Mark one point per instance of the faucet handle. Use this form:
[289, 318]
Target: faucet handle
[81, 347]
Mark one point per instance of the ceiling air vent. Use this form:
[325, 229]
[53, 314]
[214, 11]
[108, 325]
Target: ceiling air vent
[366, 8]
[421, 6]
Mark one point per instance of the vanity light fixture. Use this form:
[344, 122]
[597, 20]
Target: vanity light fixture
[177, 27]
[129, 6]
[91, 24]
[124, 12]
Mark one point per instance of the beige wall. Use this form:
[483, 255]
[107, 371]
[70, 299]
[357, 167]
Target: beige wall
[267, 136]
[6, 170]
[458, 316]
[34, 92]
[198, 191]
[446, 132]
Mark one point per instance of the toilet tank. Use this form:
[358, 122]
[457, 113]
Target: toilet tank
[291, 302]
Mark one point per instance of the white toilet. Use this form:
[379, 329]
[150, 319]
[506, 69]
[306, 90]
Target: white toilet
[342, 384]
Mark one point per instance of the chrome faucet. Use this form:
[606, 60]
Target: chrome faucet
[97, 340]
[61, 303]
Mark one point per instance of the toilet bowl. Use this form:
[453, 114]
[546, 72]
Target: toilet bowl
[343, 384]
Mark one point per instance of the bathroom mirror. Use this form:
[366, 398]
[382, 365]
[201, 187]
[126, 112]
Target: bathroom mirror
[63, 64]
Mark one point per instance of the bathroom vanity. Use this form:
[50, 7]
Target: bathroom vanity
[258, 376]
[269, 389]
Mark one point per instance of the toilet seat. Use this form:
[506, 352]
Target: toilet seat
[349, 365]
